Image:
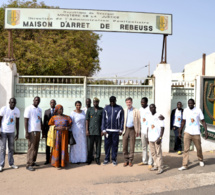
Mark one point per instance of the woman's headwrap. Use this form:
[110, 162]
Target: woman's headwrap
[57, 108]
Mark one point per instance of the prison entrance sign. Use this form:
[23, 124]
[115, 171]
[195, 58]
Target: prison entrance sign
[93, 20]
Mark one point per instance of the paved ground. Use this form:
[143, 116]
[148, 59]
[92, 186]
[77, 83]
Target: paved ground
[94, 179]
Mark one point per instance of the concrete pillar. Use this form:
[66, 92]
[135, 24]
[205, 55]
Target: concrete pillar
[7, 73]
[163, 77]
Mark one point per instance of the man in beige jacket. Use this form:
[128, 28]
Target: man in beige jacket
[131, 130]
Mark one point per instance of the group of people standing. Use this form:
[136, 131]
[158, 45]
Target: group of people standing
[88, 125]
[191, 116]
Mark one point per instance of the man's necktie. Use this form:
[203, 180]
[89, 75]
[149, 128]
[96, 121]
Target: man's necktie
[52, 112]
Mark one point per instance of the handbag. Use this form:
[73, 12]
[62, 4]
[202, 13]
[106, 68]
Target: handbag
[51, 136]
[71, 138]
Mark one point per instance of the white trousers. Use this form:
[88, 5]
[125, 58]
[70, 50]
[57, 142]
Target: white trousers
[146, 157]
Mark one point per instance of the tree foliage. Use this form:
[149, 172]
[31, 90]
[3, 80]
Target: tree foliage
[50, 52]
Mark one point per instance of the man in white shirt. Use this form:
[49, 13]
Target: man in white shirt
[155, 133]
[192, 117]
[144, 115]
[9, 120]
[175, 124]
[33, 127]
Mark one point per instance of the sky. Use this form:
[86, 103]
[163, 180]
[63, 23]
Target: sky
[123, 54]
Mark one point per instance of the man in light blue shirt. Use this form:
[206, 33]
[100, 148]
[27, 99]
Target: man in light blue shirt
[131, 130]
[130, 119]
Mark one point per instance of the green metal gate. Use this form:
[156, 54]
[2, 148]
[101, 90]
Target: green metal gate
[68, 89]
[181, 91]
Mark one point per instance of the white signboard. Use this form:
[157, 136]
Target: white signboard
[94, 20]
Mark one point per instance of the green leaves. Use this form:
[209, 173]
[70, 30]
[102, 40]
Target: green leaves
[56, 52]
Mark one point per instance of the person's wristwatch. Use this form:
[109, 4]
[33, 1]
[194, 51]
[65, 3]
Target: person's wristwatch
[160, 138]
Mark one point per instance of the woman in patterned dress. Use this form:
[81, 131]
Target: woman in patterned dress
[62, 123]
[78, 152]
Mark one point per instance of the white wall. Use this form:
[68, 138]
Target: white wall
[178, 76]
[194, 69]
[7, 73]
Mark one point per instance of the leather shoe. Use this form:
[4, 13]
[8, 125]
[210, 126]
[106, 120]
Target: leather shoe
[98, 162]
[89, 162]
[130, 164]
[35, 164]
[46, 163]
[125, 164]
[30, 168]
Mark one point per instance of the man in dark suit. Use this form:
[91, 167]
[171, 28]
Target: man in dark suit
[48, 114]
[175, 124]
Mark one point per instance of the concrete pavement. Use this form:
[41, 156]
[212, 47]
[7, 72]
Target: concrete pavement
[94, 179]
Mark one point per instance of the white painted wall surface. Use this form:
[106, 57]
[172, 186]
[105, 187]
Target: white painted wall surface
[194, 69]
[163, 77]
[7, 73]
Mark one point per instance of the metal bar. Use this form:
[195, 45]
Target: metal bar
[147, 86]
[46, 76]
[9, 43]
[203, 64]
[49, 84]
[127, 78]
[54, 84]
[165, 61]
[162, 50]
[181, 81]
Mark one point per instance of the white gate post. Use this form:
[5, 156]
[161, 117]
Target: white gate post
[163, 77]
[7, 73]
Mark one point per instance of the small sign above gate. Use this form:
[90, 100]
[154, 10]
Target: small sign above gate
[94, 20]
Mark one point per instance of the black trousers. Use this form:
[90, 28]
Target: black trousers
[178, 146]
[111, 143]
[47, 150]
[91, 140]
